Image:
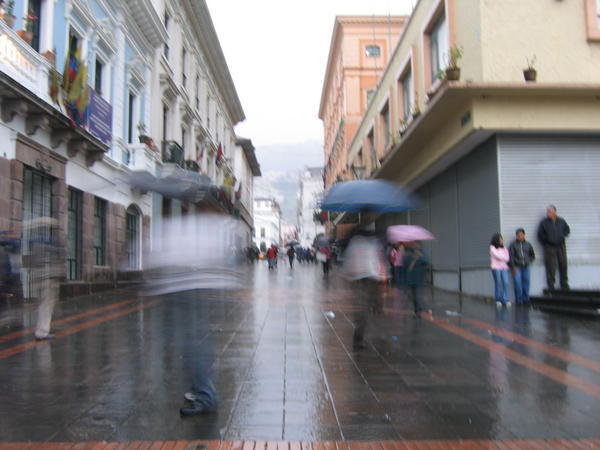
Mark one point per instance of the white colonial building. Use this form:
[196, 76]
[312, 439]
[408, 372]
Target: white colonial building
[311, 190]
[267, 222]
[161, 99]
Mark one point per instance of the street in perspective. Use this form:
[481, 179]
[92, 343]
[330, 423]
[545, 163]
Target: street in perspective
[340, 225]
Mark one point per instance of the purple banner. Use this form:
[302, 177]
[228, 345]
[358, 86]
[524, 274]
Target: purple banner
[100, 117]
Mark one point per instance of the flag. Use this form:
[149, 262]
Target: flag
[54, 86]
[78, 97]
[219, 153]
[238, 193]
[200, 154]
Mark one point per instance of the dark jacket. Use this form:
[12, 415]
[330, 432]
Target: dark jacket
[521, 254]
[553, 233]
[416, 265]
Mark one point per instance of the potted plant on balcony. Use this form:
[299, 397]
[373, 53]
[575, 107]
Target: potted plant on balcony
[143, 137]
[416, 112]
[8, 12]
[530, 73]
[453, 70]
[29, 21]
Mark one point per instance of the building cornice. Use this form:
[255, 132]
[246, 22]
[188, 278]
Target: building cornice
[248, 148]
[206, 34]
[148, 21]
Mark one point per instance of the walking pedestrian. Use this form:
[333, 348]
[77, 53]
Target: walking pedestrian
[397, 261]
[271, 257]
[364, 267]
[521, 256]
[499, 259]
[552, 232]
[324, 256]
[291, 253]
[416, 263]
[44, 258]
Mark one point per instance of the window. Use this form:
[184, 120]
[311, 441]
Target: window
[73, 41]
[373, 50]
[407, 95]
[183, 61]
[197, 90]
[133, 236]
[165, 122]
[372, 149]
[74, 234]
[131, 117]
[262, 232]
[438, 46]
[98, 76]
[182, 137]
[99, 231]
[36, 8]
[385, 125]
[167, 22]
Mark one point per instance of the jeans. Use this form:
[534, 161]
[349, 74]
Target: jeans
[399, 276]
[521, 278]
[500, 285]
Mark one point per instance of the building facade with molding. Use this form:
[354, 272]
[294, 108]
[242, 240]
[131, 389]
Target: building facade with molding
[359, 52]
[488, 152]
[142, 56]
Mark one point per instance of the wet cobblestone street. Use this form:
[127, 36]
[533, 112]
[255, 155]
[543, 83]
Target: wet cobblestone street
[285, 368]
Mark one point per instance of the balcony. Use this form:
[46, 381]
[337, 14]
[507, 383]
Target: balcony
[173, 153]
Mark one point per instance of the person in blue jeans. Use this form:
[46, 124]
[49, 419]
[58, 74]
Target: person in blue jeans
[499, 259]
[521, 256]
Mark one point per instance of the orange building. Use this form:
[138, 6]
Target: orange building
[359, 52]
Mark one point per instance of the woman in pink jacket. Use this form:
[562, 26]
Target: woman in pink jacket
[499, 263]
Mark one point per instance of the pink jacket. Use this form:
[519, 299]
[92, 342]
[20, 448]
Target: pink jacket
[499, 258]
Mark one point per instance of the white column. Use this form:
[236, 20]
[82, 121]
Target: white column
[47, 26]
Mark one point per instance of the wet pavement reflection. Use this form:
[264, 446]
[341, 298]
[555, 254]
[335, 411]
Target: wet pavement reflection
[284, 367]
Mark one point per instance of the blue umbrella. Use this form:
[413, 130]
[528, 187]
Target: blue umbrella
[368, 195]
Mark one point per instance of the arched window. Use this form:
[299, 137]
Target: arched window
[133, 237]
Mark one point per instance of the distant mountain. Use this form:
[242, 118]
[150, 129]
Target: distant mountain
[281, 166]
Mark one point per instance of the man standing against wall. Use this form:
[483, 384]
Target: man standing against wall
[552, 233]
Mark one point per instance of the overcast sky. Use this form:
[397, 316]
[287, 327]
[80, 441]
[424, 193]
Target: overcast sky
[277, 51]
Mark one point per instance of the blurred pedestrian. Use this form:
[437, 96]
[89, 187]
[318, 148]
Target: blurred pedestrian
[397, 261]
[415, 264]
[10, 267]
[364, 267]
[324, 256]
[521, 256]
[552, 233]
[499, 259]
[44, 258]
[290, 254]
[271, 257]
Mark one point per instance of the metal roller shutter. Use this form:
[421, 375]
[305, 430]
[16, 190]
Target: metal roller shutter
[536, 171]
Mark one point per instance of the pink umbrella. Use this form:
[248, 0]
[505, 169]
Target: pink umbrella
[407, 233]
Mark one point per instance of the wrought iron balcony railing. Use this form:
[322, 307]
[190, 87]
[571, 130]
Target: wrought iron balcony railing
[173, 153]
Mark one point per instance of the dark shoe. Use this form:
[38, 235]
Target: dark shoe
[194, 410]
[359, 346]
[45, 338]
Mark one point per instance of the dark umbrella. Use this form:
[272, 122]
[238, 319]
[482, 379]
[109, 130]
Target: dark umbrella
[368, 195]
[292, 244]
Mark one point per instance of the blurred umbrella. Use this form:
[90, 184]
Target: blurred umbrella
[322, 241]
[408, 233]
[368, 195]
[182, 184]
[292, 244]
